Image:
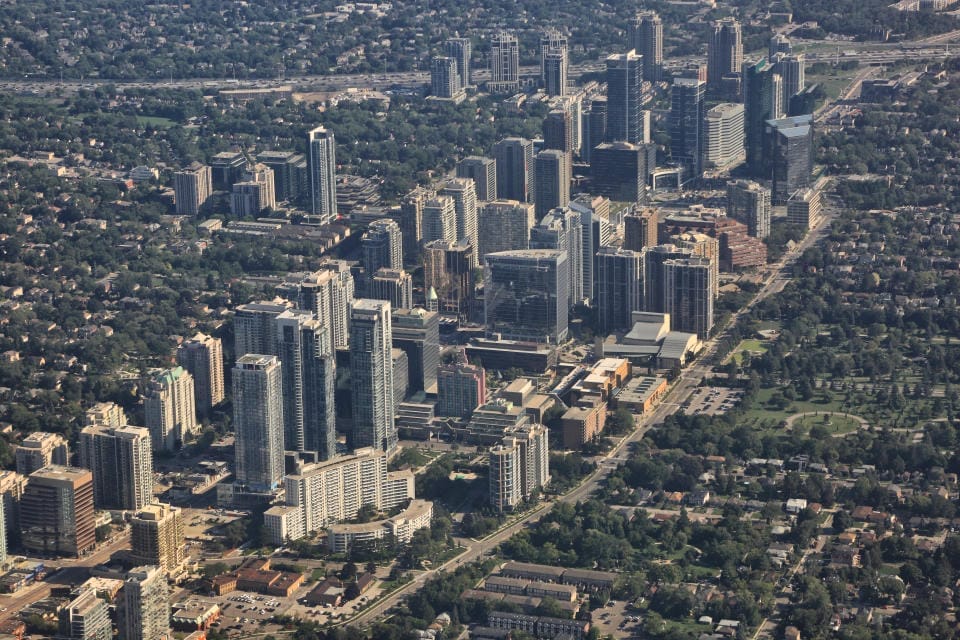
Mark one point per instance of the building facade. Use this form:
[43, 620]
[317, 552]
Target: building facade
[258, 421]
[202, 357]
[371, 375]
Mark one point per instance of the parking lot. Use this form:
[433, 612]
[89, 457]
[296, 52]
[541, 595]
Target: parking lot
[615, 620]
[244, 613]
[712, 401]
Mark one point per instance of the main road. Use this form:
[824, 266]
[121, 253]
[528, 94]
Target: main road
[778, 274]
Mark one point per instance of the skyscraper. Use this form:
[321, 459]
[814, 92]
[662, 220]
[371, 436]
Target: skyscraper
[440, 219]
[41, 449]
[144, 612]
[191, 188]
[322, 165]
[594, 127]
[461, 50]
[552, 181]
[444, 79]
[411, 221]
[624, 98]
[371, 375]
[86, 617]
[645, 36]
[791, 69]
[170, 409]
[551, 41]
[202, 356]
[760, 98]
[619, 171]
[779, 43]
[690, 287]
[723, 135]
[654, 280]
[483, 172]
[640, 229]
[519, 465]
[287, 177]
[156, 537]
[254, 326]
[505, 226]
[226, 168]
[393, 285]
[464, 194]
[382, 246]
[595, 225]
[724, 51]
[560, 229]
[448, 274]
[749, 203]
[254, 193]
[504, 64]
[555, 65]
[788, 155]
[686, 125]
[461, 388]
[57, 513]
[619, 287]
[258, 421]
[514, 158]
[527, 295]
[417, 332]
[121, 461]
[308, 378]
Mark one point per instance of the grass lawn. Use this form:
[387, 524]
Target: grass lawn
[156, 121]
[837, 425]
[751, 345]
[762, 411]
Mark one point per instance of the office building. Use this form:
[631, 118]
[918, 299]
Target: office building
[558, 131]
[560, 229]
[551, 41]
[645, 36]
[686, 125]
[596, 229]
[411, 222]
[552, 181]
[371, 375]
[170, 409]
[85, 617]
[504, 64]
[519, 466]
[464, 194]
[57, 512]
[594, 125]
[724, 51]
[144, 612]
[640, 228]
[191, 188]
[505, 226]
[527, 295]
[202, 357]
[288, 183]
[702, 245]
[226, 168]
[483, 172]
[805, 208]
[439, 219]
[398, 361]
[393, 285]
[255, 328]
[309, 374]
[723, 136]
[157, 538]
[749, 202]
[322, 166]
[792, 71]
[619, 171]
[417, 333]
[619, 288]
[788, 155]
[690, 287]
[444, 79]
[555, 64]
[461, 388]
[760, 100]
[254, 192]
[514, 158]
[121, 460]
[320, 494]
[625, 118]
[258, 421]
[382, 246]
[448, 273]
[654, 293]
[461, 50]
[39, 450]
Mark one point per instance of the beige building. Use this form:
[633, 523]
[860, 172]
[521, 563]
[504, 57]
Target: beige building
[121, 459]
[170, 408]
[202, 356]
[39, 450]
[156, 537]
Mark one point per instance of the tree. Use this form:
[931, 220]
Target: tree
[348, 572]
[353, 591]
